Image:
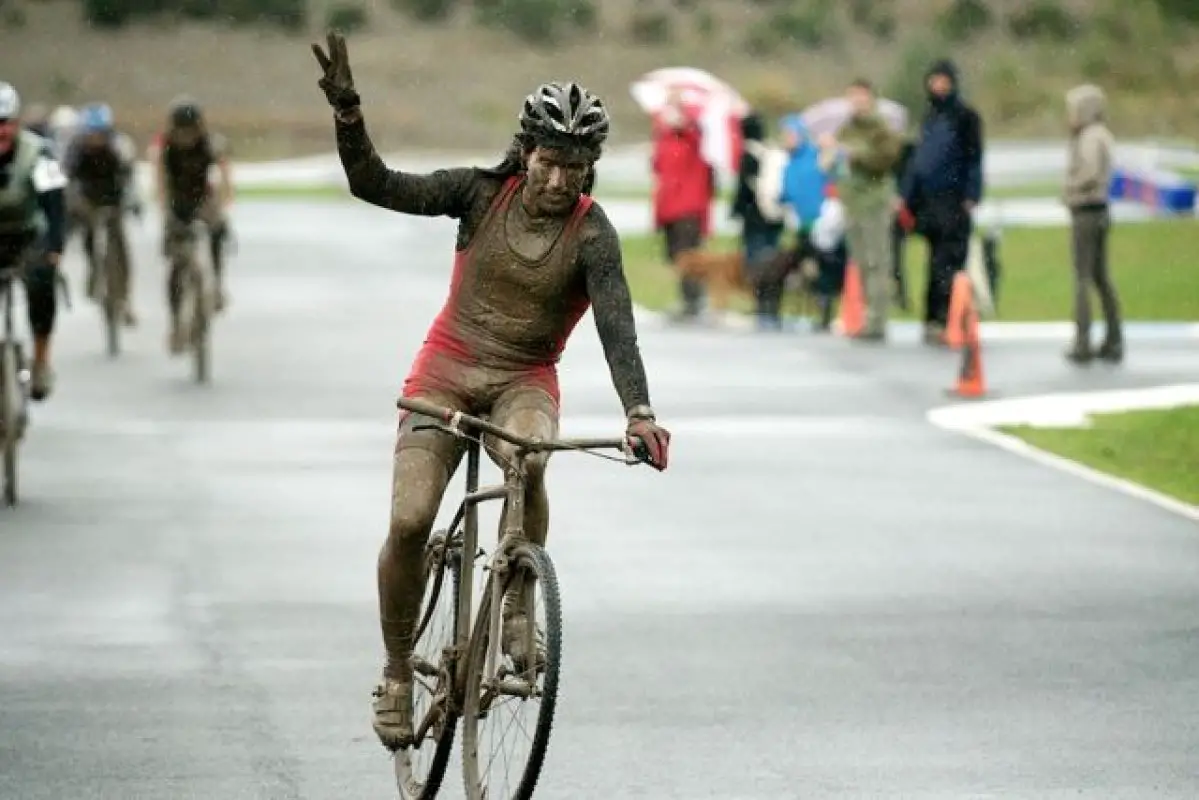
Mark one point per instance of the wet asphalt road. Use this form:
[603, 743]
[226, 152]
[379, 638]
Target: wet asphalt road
[824, 596]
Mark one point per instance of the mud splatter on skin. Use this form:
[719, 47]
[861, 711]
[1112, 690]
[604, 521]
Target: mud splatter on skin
[522, 288]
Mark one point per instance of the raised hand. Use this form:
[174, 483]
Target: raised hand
[338, 81]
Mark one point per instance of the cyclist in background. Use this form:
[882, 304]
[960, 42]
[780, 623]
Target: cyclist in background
[186, 154]
[61, 126]
[31, 227]
[99, 168]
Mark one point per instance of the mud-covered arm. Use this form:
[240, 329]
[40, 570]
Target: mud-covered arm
[600, 257]
[444, 193]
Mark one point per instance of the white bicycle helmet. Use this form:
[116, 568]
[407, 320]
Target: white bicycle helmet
[558, 110]
[10, 102]
[63, 118]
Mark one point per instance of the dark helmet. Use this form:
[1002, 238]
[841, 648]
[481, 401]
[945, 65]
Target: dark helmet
[185, 112]
[565, 110]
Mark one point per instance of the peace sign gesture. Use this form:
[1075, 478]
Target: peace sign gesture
[337, 82]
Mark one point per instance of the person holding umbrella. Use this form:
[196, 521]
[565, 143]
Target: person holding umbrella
[867, 152]
[684, 185]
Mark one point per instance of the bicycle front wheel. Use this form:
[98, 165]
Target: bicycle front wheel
[10, 412]
[200, 321]
[112, 297]
[515, 697]
[420, 769]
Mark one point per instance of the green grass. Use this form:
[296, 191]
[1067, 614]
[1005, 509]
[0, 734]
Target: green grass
[609, 192]
[293, 193]
[1155, 266]
[1159, 448]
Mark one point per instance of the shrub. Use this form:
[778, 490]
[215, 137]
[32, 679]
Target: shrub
[536, 21]
[1179, 10]
[290, 15]
[650, 27]
[107, 13]
[705, 24]
[811, 26]
[582, 14]
[1043, 19]
[875, 17]
[905, 84]
[346, 16]
[963, 19]
[425, 10]
[200, 9]
[13, 16]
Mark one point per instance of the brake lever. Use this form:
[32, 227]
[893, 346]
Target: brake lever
[635, 454]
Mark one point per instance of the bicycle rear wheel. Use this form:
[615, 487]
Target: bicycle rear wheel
[492, 700]
[200, 321]
[420, 770]
[10, 412]
[111, 289]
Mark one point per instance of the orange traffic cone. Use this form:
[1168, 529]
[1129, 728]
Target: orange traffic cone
[970, 383]
[961, 298]
[853, 305]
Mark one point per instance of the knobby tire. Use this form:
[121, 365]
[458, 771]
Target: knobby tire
[201, 351]
[10, 411]
[536, 561]
[445, 586]
[111, 300]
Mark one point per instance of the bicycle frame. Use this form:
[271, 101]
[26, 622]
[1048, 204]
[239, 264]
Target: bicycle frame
[512, 492]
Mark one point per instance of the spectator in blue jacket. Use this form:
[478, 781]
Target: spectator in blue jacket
[942, 186]
[805, 181]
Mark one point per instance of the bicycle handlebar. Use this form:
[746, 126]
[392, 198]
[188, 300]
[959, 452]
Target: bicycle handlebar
[456, 420]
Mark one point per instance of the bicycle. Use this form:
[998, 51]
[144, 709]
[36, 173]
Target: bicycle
[14, 388]
[461, 672]
[197, 303]
[110, 273]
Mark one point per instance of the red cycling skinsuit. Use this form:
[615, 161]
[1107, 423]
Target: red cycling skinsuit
[533, 307]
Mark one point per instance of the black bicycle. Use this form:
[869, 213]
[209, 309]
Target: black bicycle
[197, 308]
[110, 273]
[464, 663]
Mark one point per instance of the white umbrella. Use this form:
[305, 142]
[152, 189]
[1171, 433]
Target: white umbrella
[696, 87]
[829, 115]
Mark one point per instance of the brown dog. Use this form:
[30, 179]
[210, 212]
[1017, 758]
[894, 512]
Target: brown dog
[723, 274]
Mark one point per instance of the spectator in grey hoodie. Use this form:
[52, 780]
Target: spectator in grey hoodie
[1088, 175]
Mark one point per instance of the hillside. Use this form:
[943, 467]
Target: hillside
[457, 84]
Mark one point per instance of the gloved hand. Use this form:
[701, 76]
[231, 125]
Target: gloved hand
[654, 439]
[906, 220]
[338, 81]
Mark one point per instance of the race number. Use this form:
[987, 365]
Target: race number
[48, 175]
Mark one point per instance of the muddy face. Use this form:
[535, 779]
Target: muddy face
[555, 180]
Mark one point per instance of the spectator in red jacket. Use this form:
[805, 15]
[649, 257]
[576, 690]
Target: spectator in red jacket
[684, 184]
